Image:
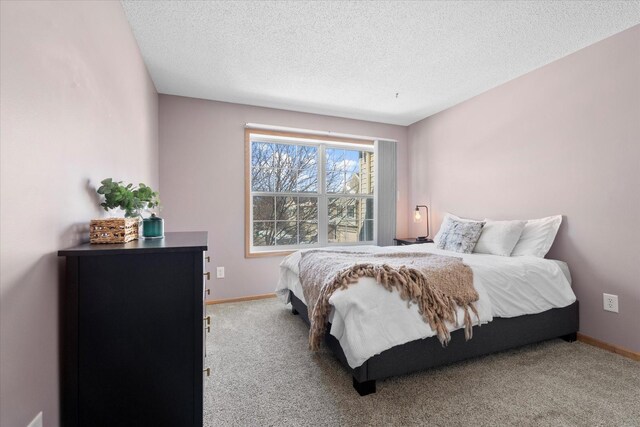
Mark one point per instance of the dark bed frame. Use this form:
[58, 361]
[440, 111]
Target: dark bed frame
[498, 335]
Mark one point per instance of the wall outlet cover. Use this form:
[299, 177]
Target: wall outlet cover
[37, 421]
[220, 272]
[610, 302]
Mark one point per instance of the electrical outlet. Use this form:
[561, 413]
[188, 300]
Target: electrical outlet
[37, 421]
[610, 302]
[220, 272]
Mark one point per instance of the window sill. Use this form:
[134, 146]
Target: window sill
[265, 254]
[285, 252]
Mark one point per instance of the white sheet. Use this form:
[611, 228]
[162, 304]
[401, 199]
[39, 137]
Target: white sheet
[367, 319]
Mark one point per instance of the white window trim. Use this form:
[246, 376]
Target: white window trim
[323, 220]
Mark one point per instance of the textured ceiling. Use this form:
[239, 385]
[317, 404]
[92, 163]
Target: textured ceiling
[350, 58]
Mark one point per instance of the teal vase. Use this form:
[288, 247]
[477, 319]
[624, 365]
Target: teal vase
[153, 227]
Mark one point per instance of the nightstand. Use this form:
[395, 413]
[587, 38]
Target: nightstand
[410, 241]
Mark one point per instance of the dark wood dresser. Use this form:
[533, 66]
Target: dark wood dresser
[133, 333]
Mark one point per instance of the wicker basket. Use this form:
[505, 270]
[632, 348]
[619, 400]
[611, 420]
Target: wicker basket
[113, 230]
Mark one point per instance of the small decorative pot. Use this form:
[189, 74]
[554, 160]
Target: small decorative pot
[153, 227]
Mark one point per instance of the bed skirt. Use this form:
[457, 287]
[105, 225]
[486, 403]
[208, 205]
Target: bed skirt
[499, 335]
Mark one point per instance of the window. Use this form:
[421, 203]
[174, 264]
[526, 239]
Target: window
[304, 192]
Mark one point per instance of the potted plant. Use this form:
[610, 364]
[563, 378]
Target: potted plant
[130, 199]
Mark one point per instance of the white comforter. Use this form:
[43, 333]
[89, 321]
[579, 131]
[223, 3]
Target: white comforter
[367, 319]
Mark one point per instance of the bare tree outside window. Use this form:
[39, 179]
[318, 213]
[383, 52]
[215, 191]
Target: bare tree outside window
[292, 171]
[286, 194]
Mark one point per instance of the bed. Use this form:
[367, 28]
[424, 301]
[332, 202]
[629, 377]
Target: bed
[522, 300]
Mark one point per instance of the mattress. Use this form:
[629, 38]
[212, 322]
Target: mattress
[367, 319]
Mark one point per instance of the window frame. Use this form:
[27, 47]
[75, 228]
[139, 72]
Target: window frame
[322, 142]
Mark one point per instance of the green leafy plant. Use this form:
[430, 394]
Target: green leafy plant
[132, 200]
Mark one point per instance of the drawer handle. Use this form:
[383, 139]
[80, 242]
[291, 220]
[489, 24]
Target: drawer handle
[207, 371]
[207, 275]
[208, 258]
[208, 320]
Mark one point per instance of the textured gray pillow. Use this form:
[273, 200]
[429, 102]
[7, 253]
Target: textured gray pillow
[459, 236]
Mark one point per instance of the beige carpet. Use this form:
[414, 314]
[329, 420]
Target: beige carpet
[264, 375]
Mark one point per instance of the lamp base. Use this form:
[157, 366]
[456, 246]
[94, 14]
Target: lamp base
[424, 239]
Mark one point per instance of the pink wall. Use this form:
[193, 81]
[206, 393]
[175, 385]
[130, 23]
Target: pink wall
[77, 105]
[202, 179]
[563, 139]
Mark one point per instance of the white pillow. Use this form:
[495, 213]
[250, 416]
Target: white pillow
[499, 237]
[537, 237]
[447, 215]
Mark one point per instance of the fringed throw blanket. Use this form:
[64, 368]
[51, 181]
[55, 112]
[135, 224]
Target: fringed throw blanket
[437, 284]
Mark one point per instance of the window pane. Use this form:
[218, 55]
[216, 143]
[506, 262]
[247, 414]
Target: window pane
[262, 179]
[343, 232]
[284, 156]
[335, 210]
[348, 219]
[351, 161]
[285, 180]
[365, 219]
[334, 159]
[349, 171]
[263, 208]
[308, 232]
[261, 154]
[336, 182]
[342, 208]
[366, 234]
[366, 172]
[308, 180]
[286, 233]
[263, 233]
[341, 215]
[352, 183]
[308, 209]
[332, 232]
[306, 157]
[364, 208]
[343, 160]
[286, 208]
[350, 231]
[368, 208]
